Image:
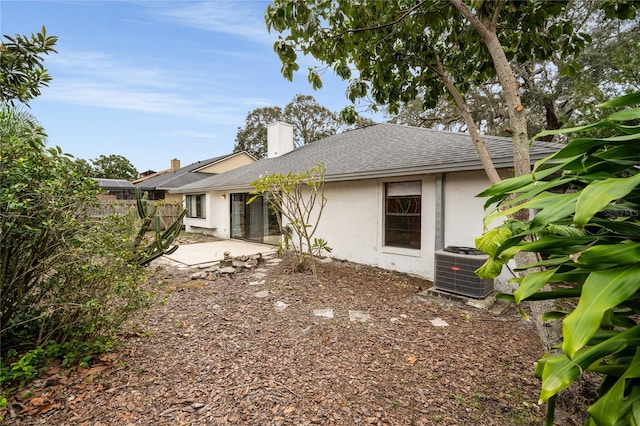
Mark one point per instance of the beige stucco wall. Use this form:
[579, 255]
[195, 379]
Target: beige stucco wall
[238, 160]
[172, 198]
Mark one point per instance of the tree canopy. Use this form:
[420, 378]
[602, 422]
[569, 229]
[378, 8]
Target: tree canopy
[113, 167]
[430, 48]
[311, 122]
[22, 71]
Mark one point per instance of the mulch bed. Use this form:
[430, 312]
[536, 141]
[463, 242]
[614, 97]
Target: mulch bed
[212, 353]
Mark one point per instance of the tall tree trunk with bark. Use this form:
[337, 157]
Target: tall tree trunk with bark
[485, 26]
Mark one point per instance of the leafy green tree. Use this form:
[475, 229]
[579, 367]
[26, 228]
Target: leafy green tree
[114, 167]
[587, 239]
[84, 167]
[310, 120]
[252, 138]
[431, 48]
[22, 71]
[557, 92]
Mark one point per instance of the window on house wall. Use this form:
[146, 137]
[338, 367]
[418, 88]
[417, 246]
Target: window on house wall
[403, 214]
[195, 206]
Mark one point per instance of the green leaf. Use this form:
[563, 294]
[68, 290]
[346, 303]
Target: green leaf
[626, 100]
[620, 254]
[490, 241]
[603, 290]
[490, 269]
[531, 283]
[626, 115]
[560, 372]
[598, 195]
[607, 409]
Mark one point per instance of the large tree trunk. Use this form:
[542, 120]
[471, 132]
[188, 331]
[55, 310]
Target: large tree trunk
[476, 137]
[485, 26]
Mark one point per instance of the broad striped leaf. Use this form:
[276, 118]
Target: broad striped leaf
[625, 115]
[559, 372]
[625, 100]
[531, 283]
[603, 290]
[598, 195]
[621, 254]
[607, 409]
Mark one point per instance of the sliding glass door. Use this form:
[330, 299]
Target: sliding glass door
[254, 222]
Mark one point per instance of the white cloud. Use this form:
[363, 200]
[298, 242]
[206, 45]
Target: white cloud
[99, 80]
[236, 18]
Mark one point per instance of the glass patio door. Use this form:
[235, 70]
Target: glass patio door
[253, 222]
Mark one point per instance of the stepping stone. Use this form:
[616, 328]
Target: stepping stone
[280, 306]
[358, 316]
[261, 294]
[257, 282]
[324, 313]
[259, 275]
[199, 276]
[439, 322]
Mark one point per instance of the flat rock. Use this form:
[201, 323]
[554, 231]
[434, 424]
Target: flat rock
[325, 260]
[261, 282]
[228, 270]
[199, 276]
[439, 322]
[280, 306]
[358, 316]
[259, 275]
[261, 294]
[323, 313]
[273, 261]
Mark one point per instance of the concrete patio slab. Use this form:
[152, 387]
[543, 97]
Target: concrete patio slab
[201, 253]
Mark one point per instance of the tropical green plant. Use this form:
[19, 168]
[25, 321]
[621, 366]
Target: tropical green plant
[298, 198]
[146, 251]
[586, 234]
[319, 246]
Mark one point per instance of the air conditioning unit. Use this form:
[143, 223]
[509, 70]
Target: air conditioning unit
[455, 268]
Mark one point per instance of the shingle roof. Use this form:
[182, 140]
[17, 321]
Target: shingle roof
[381, 150]
[114, 183]
[183, 176]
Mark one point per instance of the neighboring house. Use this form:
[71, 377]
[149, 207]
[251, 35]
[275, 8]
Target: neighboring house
[116, 189]
[395, 193]
[158, 184]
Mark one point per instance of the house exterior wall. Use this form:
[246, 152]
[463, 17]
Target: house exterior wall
[217, 216]
[352, 222]
[242, 159]
[203, 225]
[464, 212]
[353, 225]
[172, 198]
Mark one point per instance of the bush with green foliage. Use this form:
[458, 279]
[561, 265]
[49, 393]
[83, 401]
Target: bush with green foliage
[67, 280]
[587, 235]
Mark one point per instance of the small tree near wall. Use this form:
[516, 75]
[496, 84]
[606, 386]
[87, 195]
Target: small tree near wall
[298, 198]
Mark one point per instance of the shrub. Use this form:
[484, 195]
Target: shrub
[587, 236]
[67, 281]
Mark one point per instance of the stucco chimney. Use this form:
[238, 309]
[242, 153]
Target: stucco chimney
[175, 164]
[279, 139]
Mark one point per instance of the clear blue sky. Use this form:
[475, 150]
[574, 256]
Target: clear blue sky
[156, 80]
